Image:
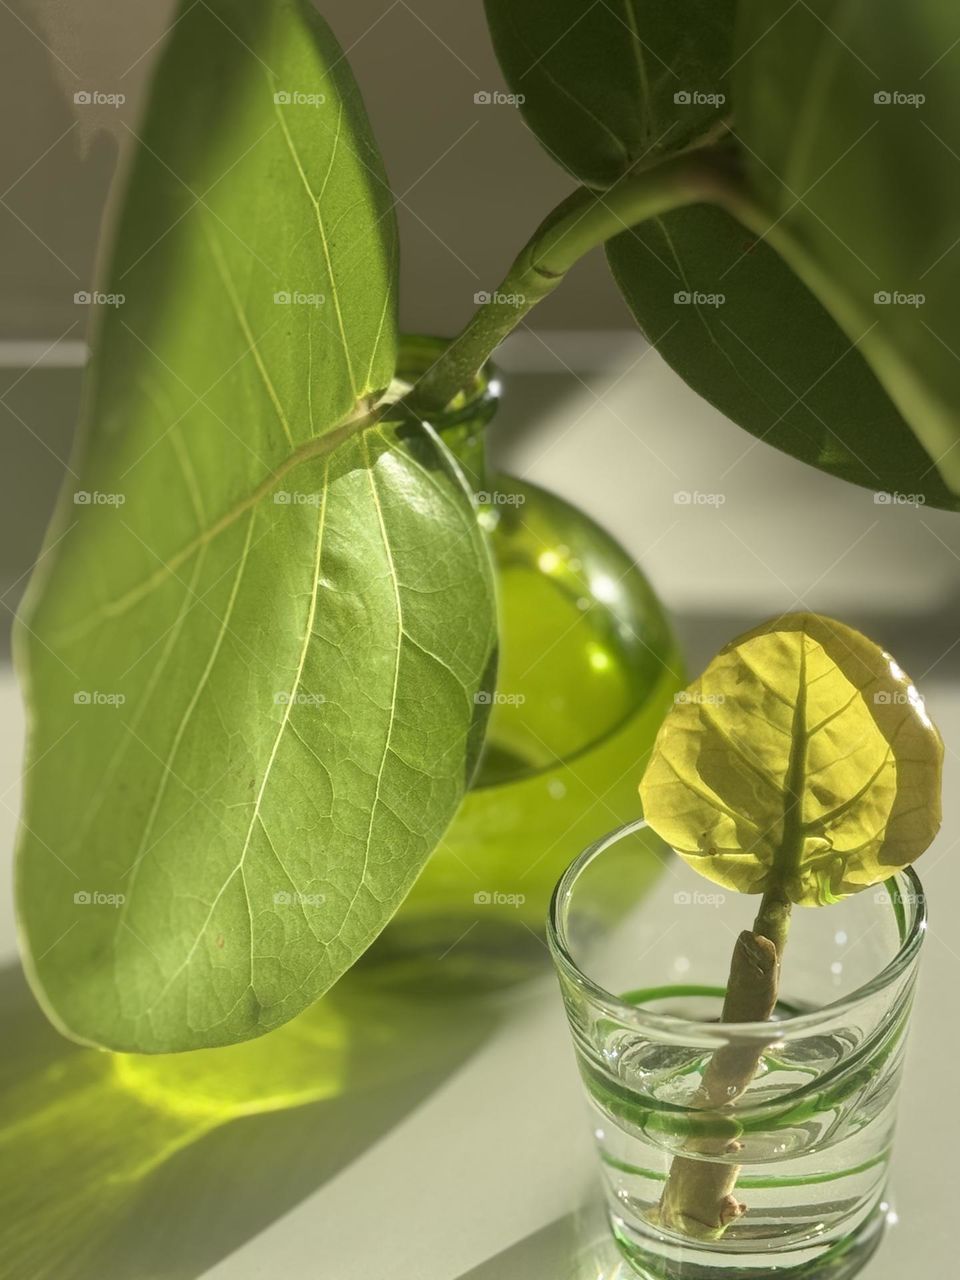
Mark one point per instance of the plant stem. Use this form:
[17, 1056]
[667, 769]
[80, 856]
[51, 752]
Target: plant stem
[698, 1197]
[586, 219]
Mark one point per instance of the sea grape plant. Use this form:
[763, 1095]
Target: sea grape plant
[801, 766]
[258, 676]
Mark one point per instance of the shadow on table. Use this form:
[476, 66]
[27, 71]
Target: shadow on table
[131, 1167]
[578, 1246]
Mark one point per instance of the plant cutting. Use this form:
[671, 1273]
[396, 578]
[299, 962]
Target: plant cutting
[801, 767]
[259, 649]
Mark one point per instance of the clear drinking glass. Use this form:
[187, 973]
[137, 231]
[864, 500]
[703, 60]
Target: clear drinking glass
[806, 1148]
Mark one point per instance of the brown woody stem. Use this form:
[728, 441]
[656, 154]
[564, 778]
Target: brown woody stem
[698, 1198]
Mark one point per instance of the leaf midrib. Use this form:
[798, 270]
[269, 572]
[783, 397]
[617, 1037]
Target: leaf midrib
[315, 201]
[256, 816]
[356, 422]
[786, 859]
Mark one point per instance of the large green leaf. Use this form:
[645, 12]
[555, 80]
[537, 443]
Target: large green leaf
[742, 330]
[863, 182]
[605, 85]
[801, 761]
[251, 656]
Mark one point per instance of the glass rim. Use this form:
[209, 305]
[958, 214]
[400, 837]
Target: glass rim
[675, 1025]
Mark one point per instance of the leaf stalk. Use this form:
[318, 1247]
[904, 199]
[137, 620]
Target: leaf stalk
[585, 220]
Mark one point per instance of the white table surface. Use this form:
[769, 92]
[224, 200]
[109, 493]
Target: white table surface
[491, 1175]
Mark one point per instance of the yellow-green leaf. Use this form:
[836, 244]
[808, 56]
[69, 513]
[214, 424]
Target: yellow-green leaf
[254, 644]
[802, 759]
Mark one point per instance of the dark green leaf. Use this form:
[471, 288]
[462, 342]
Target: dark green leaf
[607, 84]
[600, 84]
[743, 331]
[863, 178]
[251, 652]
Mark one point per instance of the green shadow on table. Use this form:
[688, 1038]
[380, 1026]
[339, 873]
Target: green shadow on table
[155, 1168]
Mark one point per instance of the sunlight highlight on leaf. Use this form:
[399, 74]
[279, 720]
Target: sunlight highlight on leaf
[802, 760]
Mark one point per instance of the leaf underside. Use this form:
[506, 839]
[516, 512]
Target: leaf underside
[612, 84]
[850, 116]
[802, 760]
[251, 654]
[757, 344]
[820, 372]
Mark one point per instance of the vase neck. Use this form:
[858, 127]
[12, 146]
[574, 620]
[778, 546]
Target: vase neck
[462, 424]
[467, 443]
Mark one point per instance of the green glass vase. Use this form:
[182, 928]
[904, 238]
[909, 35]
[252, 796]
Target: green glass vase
[588, 666]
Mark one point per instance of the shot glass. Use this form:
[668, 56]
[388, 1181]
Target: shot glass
[804, 1152]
